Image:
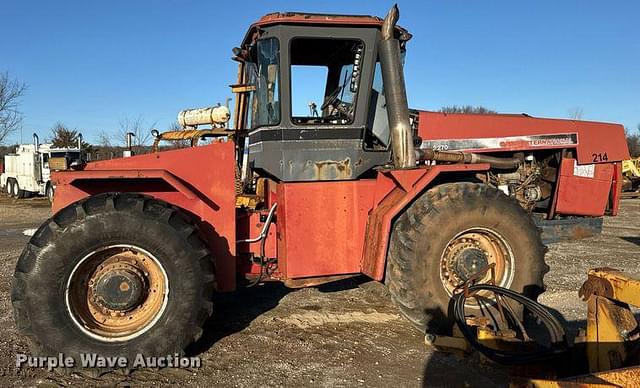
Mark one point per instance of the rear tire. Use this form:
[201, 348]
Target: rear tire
[61, 278]
[459, 223]
[15, 189]
[9, 187]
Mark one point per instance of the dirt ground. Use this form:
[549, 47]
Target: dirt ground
[344, 334]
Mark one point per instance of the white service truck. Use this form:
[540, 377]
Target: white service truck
[27, 171]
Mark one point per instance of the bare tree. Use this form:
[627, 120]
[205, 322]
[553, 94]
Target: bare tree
[10, 117]
[104, 139]
[468, 109]
[141, 132]
[174, 126]
[576, 113]
[633, 141]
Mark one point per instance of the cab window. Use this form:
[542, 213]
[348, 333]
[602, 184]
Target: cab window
[325, 78]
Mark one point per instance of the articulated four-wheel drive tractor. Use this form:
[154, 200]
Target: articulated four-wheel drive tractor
[308, 193]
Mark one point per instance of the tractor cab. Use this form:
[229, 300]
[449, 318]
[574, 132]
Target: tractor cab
[310, 95]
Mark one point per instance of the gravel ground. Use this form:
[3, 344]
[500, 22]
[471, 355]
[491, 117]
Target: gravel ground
[344, 334]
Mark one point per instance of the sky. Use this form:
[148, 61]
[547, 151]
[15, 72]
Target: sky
[92, 64]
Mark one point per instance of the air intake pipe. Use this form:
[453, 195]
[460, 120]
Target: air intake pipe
[396, 94]
[465, 157]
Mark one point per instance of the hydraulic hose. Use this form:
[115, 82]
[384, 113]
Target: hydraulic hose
[465, 157]
[558, 339]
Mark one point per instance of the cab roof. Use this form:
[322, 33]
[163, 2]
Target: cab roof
[297, 18]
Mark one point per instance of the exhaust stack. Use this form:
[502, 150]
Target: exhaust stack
[396, 94]
[129, 139]
[36, 142]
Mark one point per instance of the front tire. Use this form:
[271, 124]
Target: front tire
[451, 232]
[116, 275]
[49, 192]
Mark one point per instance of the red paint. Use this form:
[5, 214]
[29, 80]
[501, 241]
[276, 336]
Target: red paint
[580, 195]
[199, 180]
[593, 138]
[321, 226]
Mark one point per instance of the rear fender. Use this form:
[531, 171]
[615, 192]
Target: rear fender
[395, 191]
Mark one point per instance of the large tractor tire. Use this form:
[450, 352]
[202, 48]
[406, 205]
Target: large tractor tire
[116, 275]
[450, 233]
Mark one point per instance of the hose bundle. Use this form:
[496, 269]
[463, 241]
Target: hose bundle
[556, 332]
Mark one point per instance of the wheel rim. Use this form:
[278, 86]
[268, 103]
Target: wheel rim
[473, 250]
[117, 293]
[14, 189]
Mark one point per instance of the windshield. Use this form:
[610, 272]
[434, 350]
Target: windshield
[263, 74]
[66, 154]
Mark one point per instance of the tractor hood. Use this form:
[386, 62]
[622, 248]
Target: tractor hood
[595, 142]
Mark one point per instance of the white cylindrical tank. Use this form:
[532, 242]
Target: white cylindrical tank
[202, 116]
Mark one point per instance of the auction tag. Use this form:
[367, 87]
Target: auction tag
[586, 170]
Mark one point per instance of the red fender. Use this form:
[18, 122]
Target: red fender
[199, 180]
[395, 190]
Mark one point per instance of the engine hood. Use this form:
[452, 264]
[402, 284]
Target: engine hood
[595, 142]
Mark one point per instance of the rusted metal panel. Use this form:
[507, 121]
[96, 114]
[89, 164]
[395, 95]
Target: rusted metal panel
[332, 169]
[583, 189]
[399, 197]
[616, 189]
[199, 180]
[612, 284]
[317, 19]
[321, 226]
[567, 229]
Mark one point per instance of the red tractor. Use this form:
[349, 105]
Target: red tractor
[308, 193]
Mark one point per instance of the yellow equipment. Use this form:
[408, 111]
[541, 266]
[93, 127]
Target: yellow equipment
[631, 175]
[613, 334]
[612, 329]
[609, 349]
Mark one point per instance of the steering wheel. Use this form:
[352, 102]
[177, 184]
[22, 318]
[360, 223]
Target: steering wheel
[331, 99]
